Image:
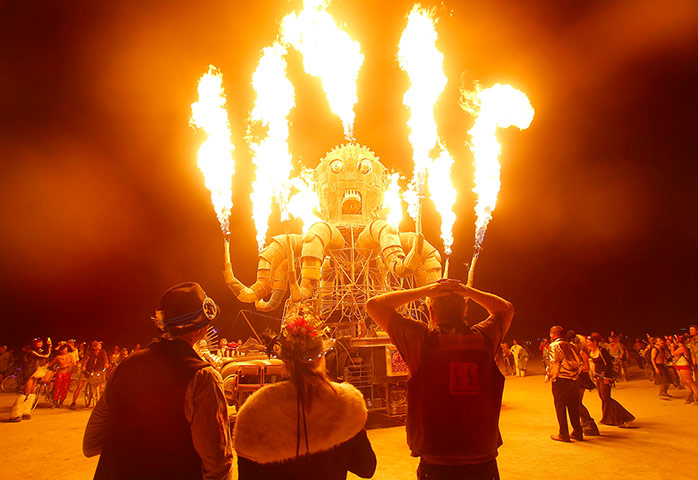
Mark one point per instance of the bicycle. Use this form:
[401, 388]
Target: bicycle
[94, 387]
[10, 384]
[44, 388]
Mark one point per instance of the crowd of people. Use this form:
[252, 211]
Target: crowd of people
[575, 363]
[55, 370]
[163, 412]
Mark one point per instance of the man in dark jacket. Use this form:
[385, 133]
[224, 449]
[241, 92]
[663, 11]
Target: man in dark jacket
[163, 413]
[455, 388]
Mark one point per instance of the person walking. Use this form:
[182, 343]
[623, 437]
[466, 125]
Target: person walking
[563, 370]
[520, 358]
[163, 413]
[454, 389]
[307, 427]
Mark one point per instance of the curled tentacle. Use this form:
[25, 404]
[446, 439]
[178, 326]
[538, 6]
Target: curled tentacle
[270, 259]
[279, 288]
[383, 237]
[423, 254]
[320, 237]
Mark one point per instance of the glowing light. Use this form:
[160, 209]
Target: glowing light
[423, 63]
[392, 202]
[499, 106]
[215, 158]
[329, 54]
[304, 202]
[270, 154]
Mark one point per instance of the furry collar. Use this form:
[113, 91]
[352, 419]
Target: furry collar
[265, 430]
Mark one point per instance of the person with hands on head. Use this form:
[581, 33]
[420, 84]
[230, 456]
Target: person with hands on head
[454, 388]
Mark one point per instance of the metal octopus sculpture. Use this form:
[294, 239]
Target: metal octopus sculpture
[349, 256]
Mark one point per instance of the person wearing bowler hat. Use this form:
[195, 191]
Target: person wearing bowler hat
[307, 427]
[163, 413]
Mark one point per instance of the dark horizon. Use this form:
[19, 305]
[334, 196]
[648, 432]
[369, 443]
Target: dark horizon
[104, 206]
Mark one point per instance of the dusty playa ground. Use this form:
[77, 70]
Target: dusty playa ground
[663, 446]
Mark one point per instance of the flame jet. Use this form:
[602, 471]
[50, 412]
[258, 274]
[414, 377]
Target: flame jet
[271, 156]
[500, 106]
[423, 63]
[329, 54]
[215, 157]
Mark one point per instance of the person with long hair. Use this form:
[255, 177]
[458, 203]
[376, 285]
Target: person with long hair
[613, 412]
[683, 366]
[307, 427]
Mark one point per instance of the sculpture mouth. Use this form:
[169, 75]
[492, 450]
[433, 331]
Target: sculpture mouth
[351, 202]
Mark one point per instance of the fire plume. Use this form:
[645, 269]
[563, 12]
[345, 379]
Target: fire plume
[423, 63]
[304, 201]
[329, 54]
[215, 158]
[270, 153]
[392, 202]
[499, 106]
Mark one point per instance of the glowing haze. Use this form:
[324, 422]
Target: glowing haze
[270, 154]
[423, 63]
[329, 54]
[215, 157]
[499, 106]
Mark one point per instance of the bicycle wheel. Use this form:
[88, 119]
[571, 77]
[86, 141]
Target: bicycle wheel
[10, 384]
[96, 393]
[88, 394]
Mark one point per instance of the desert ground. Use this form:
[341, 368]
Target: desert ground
[664, 444]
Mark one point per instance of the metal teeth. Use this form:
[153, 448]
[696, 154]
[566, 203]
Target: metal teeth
[352, 194]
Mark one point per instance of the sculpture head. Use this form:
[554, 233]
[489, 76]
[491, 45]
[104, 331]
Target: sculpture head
[350, 182]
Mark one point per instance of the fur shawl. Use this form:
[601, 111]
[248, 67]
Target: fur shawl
[265, 430]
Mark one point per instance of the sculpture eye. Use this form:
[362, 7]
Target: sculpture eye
[336, 166]
[365, 166]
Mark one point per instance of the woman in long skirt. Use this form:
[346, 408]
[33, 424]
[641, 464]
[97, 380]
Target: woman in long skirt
[613, 412]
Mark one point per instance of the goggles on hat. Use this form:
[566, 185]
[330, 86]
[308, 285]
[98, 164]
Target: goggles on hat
[208, 309]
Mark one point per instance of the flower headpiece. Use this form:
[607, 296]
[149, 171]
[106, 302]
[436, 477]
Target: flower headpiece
[302, 338]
